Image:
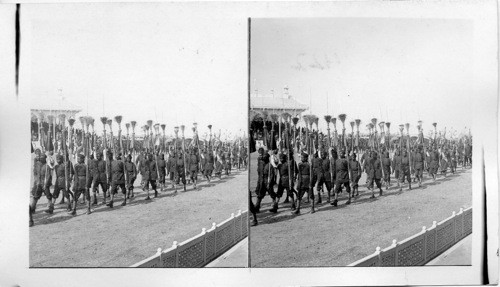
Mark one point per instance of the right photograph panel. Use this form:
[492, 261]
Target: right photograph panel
[360, 142]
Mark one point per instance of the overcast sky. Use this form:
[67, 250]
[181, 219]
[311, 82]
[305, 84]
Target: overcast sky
[397, 70]
[139, 62]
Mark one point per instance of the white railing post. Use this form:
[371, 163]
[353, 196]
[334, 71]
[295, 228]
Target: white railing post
[174, 245]
[204, 232]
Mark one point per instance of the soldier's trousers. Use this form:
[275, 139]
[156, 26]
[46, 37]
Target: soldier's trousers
[377, 182]
[147, 182]
[338, 186]
[85, 192]
[114, 188]
[38, 190]
[403, 175]
[96, 183]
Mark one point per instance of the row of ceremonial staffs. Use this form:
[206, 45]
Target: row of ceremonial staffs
[152, 140]
[310, 140]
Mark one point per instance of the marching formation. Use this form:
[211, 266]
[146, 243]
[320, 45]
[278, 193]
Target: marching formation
[82, 161]
[334, 161]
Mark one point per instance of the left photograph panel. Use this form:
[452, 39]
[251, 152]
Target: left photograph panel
[138, 137]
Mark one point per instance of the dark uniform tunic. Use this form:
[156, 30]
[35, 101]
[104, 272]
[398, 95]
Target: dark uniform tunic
[117, 176]
[92, 172]
[342, 175]
[386, 165]
[193, 164]
[208, 164]
[61, 179]
[404, 169]
[355, 168]
[396, 164]
[433, 167]
[79, 182]
[100, 177]
[375, 172]
[41, 184]
[162, 165]
[150, 174]
[264, 171]
[304, 180]
[418, 164]
[284, 180]
[131, 170]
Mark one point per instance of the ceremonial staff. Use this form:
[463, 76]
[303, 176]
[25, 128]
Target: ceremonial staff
[93, 137]
[176, 131]
[352, 135]
[118, 120]
[358, 122]
[64, 147]
[309, 119]
[86, 134]
[435, 132]
[287, 141]
[39, 118]
[316, 137]
[51, 137]
[133, 124]
[183, 153]
[335, 135]
[295, 120]
[163, 145]
[342, 118]
[82, 122]
[274, 118]
[127, 140]
[421, 135]
[381, 125]
[388, 125]
[104, 121]
[112, 138]
[306, 121]
[407, 125]
[210, 139]
[328, 119]
[87, 128]
[401, 128]
[157, 138]
[151, 140]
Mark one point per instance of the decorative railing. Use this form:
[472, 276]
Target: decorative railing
[423, 246]
[201, 249]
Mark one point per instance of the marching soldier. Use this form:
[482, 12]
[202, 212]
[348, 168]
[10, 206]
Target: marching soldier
[208, 164]
[218, 165]
[131, 171]
[61, 184]
[99, 178]
[342, 178]
[162, 165]
[92, 170]
[180, 170]
[283, 183]
[263, 172]
[418, 165]
[434, 165]
[42, 181]
[404, 170]
[150, 175]
[375, 174]
[355, 168]
[171, 169]
[396, 165]
[117, 180]
[386, 165]
[80, 184]
[193, 163]
[304, 182]
[227, 162]
[317, 175]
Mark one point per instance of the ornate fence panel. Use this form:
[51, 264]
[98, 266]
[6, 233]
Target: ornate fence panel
[191, 253]
[467, 221]
[388, 256]
[169, 257]
[411, 251]
[224, 236]
[202, 248]
[423, 246]
[430, 243]
[210, 250]
[244, 224]
[445, 234]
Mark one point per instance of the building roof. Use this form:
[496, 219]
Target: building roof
[270, 102]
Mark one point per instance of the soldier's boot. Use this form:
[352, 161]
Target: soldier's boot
[131, 193]
[293, 207]
[357, 191]
[31, 216]
[286, 199]
[156, 194]
[184, 187]
[409, 186]
[95, 199]
[124, 202]
[400, 186]
[194, 185]
[257, 205]
[89, 211]
[420, 182]
[62, 199]
[297, 210]
[380, 191]
[104, 197]
[50, 209]
[254, 222]
[274, 209]
[329, 195]
[68, 208]
[312, 205]
[335, 201]
[348, 199]
[319, 198]
[73, 211]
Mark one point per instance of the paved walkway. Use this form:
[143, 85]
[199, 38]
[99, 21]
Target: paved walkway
[458, 254]
[237, 256]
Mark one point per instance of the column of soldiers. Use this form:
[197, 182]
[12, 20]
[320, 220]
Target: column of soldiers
[118, 170]
[336, 166]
